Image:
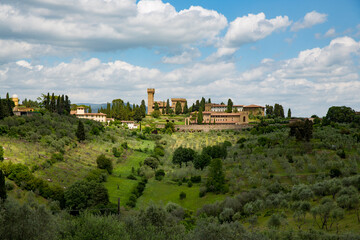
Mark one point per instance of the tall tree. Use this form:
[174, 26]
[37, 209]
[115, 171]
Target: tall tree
[229, 106]
[90, 110]
[202, 104]
[289, 113]
[1, 153]
[269, 110]
[10, 105]
[67, 104]
[178, 109]
[200, 117]
[167, 106]
[143, 108]
[186, 110]
[52, 103]
[279, 111]
[209, 101]
[80, 132]
[216, 177]
[163, 108]
[2, 186]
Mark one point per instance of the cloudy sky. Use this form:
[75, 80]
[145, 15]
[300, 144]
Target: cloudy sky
[305, 57]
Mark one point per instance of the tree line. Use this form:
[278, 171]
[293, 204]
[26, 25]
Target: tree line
[120, 110]
[57, 104]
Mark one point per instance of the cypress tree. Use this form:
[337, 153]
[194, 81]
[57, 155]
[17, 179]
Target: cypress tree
[156, 106]
[178, 109]
[58, 107]
[229, 106]
[289, 113]
[90, 110]
[67, 105]
[80, 132]
[2, 186]
[186, 110]
[47, 102]
[202, 104]
[200, 117]
[52, 103]
[167, 106]
[143, 108]
[209, 101]
[10, 105]
[163, 109]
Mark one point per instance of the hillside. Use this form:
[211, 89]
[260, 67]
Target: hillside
[271, 180]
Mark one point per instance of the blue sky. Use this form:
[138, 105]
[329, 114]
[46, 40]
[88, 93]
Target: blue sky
[303, 56]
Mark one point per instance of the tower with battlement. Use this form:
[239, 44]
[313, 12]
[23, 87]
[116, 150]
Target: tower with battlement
[151, 93]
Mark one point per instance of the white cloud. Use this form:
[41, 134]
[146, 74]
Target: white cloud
[330, 33]
[107, 25]
[310, 19]
[248, 29]
[186, 56]
[308, 83]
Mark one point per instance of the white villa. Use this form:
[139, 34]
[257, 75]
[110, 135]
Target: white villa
[99, 117]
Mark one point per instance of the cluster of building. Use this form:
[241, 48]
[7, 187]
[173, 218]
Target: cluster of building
[213, 114]
[19, 110]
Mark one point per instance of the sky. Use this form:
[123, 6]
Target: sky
[303, 55]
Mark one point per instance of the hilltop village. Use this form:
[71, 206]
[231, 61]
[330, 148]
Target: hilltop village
[208, 114]
[212, 114]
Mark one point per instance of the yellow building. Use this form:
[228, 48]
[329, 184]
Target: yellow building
[162, 104]
[80, 113]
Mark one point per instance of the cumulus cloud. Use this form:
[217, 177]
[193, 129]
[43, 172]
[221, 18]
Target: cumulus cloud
[310, 19]
[186, 56]
[309, 83]
[248, 29]
[106, 25]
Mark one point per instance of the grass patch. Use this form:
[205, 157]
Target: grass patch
[163, 192]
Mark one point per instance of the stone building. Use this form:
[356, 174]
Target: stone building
[223, 118]
[162, 104]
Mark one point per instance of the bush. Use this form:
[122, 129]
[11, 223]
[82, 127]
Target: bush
[159, 151]
[97, 175]
[196, 179]
[131, 177]
[190, 184]
[182, 195]
[241, 140]
[334, 173]
[159, 174]
[151, 162]
[116, 152]
[183, 155]
[57, 157]
[104, 163]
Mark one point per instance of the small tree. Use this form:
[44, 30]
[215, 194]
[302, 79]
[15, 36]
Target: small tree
[80, 132]
[289, 113]
[2, 186]
[156, 114]
[182, 195]
[104, 163]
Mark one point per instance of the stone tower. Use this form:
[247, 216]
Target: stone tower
[151, 92]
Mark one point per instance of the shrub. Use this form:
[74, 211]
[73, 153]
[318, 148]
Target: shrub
[182, 195]
[334, 173]
[57, 157]
[183, 155]
[196, 179]
[159, 151]
[190, 184]
[159, 174]
[104, 163]
[116, 152]
[131, 177]
[151, 162]
[97, 175]
[241, 140]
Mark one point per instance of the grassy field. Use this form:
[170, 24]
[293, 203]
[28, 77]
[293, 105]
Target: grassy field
[117, 184]
[164, 192]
